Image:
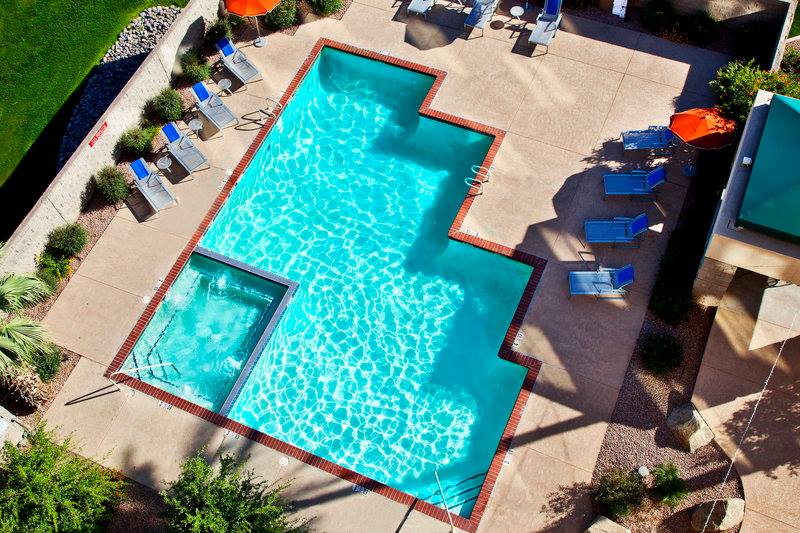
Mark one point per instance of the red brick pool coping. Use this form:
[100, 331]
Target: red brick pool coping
[506, 350]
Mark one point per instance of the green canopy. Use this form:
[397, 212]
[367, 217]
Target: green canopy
[771, 202]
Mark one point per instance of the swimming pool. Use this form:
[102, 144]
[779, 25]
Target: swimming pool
[385, 360]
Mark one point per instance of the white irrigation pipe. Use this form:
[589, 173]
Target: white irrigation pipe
[747, 427]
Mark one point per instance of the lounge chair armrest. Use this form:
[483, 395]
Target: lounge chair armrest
[623, 218]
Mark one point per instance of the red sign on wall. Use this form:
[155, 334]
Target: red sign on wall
[97, 135]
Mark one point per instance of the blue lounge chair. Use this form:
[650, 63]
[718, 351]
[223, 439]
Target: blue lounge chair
[210, 106]
[150, 185]
[481, 13]
[617, 231]
[658, 139]
[182, 149]
[236, 62]
[420, 7]
[546, 24]
[634, 183]
[605, 282]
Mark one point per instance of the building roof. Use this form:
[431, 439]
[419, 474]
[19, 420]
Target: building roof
[771, 202]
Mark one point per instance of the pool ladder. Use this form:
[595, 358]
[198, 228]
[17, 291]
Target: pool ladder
[273, 107]
[481, 175]
[136, 369]
[444, 500]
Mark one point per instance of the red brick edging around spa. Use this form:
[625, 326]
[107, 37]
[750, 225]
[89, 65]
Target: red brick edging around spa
[506, 350]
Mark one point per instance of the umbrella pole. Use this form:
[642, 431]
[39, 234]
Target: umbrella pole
[260, 41]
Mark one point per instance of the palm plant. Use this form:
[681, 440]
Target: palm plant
[18, 291]
[21, 340]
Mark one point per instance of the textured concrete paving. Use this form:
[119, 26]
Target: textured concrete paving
[754, 321]
[563, 111]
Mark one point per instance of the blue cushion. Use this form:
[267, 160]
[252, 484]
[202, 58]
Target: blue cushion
[552, 7]
[200, 91]
[226, 47]
[139, 168]
[656, 177]
[171, 132]
[639, 224]
[622, 276]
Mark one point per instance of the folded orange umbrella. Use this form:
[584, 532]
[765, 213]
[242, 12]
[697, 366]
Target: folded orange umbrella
[702, 128]
[252, 8]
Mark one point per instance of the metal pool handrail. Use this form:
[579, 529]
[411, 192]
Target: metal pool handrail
[444, 500]
[136, 369]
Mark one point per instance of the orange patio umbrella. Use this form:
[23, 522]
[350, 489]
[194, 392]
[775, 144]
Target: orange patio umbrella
[702, 128]
[252, 8]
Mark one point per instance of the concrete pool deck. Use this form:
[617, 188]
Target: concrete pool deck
[559, 110]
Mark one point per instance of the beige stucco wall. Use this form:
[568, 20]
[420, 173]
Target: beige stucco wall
[62, 200]
[730, 9]
[755, 259]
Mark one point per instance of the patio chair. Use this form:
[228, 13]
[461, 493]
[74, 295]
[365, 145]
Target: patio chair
[182, 150]
[420, 7]
[210, 106]
[546, 24]
[150, 185]
[634, 183]
[624, 231]
[658, 139]
[482, 12]
[605, 282]
[236, 62]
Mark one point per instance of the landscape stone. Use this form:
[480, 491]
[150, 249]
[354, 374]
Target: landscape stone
[601, 524]
[689, 427]
[726, 515]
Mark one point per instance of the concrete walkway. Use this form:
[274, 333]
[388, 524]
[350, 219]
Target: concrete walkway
[754, 320]
[562, 112]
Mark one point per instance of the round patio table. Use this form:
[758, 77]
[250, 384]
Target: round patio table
[225, 85]
[164, 163]
[517, 12]
[195, 125]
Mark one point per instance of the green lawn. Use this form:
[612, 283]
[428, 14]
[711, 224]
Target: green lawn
[47, 47]
[795, 30]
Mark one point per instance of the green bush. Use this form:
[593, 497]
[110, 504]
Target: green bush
[738, 82]
[195, 66]
[325, 7]
[67, 240]
[46, 488]
[201, 500]
[111, 183]
[167, 105]
[619, 492]
[791, 61]
[700, 27]
[282, 16]
[59, 267]
[49, 277]
[221, 28]
[661, 352]
[659, 16]
[47, 362]
[137, 141]
[668, 485]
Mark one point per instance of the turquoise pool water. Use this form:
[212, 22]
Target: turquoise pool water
[206, 327]
[385, 360]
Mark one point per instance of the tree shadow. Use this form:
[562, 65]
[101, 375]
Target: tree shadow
[568, 508]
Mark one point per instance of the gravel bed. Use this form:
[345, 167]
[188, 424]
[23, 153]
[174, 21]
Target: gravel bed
[113, 72]
[638, 434]
[140, 511]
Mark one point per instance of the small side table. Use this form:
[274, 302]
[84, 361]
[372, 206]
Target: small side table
[164, 163]
[225, 85]
[517, 12]
[195, 125]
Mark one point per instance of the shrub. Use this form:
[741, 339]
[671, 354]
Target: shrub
[619, 492]
[791, 61]
[167, 105]
[325, 7]
[25, 385]
[45, 488]
[68, 239]
[136, 141]
[668, 485]
[738, 82]
[659, 16]
[701, 27]
[230, 500]
[661, 352]
[47, 362]
[111, 183]
[60, 267]
[195, 66]
[282, 16]
[221, 28]
[49, 278]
